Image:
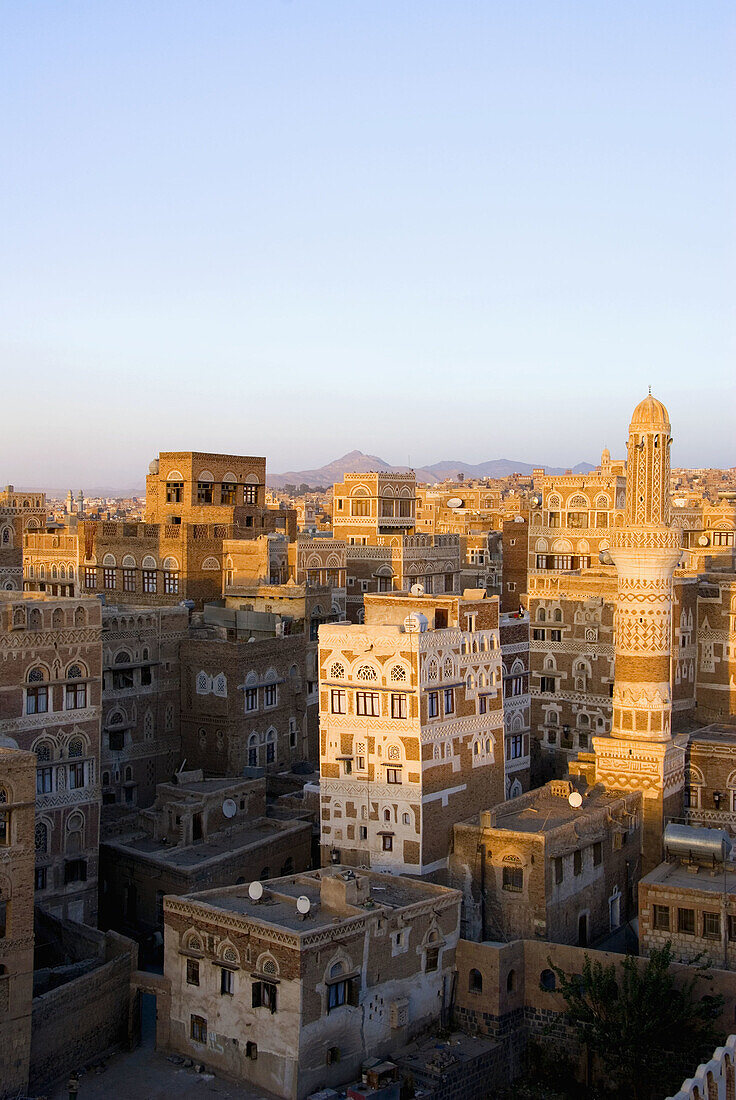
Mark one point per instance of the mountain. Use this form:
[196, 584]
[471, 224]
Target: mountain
[357, 462]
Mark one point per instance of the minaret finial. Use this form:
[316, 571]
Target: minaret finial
[650, 391]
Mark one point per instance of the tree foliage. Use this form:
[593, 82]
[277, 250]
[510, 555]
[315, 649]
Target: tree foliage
[641, 1023]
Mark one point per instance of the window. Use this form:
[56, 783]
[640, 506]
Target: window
[732, 928]
[204, 492]
[269, 695]
[432, 705]
[712, 926]
[198, 1029]
[338, 701]
[363, 832]
[44, 780]
[149, 580]
[76, 776]
[4, 914]
[577, 519]
[347, 766]
[250, 494]
[227, 981]
[449, 700]
[388, 842]
[37, 700]
[75, 870]
[171, 583]
[367, 704]
[128, 580]
[75, 697]
[398, 706]
[174, 491]
[555, 635]
[122, 679]
[513, 878]
[108, 578]
[482, 704]
[577, 862]
[559, 869]
[393, 775]
[263, 995]
[41, 836]
[548, 684]
[116, 740]
[251, 699]
[516, 746]
[431, 959]
[40, 879]
[192, 971]
[686, 921]
[90, 578]
[227, 492]
[661, 918]
[597, 853]
[475, 981]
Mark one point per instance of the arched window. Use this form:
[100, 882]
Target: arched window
[337, 671]
[548, 981]
[511, 981]
[541, 615]
[57, 618]
[270, 746]
[253, 751]
[287, 868]
[475, 981]
[365, 672]
[558, 615]
[386, 815]
[397, 674]
[80, 617]
[34, 619]
[41, 835]
[76, 747]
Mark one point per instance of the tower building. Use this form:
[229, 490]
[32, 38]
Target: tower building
[641, 753]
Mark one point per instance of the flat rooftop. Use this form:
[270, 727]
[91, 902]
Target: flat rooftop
[677, 876]
[542, 811]
[219, 845]
[278, 904]
[720, 733]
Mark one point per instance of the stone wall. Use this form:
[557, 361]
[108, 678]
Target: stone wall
[82, 1019]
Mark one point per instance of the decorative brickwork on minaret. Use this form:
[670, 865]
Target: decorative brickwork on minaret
[641, 752]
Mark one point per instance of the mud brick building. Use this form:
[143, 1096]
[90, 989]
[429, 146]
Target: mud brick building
[19, 513]
[289, 1000]
[17, 814]
[710, 777]
[141, 699]
[689, 900]
[200, 833]
[537, 866]
[50, 704]
[411, 728]
[51, 561]
[515, 557]
[514, 635]
[715, 640]
[244, 704]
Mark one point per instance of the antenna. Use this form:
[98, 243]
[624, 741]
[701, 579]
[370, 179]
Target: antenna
[229, 807]
[303, 904]
[255, 890]
[575, 799]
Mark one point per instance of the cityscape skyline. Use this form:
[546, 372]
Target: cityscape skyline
[277, 206]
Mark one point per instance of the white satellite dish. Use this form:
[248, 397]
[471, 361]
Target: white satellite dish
[255, 890]
[455, 502]
[575, 799]
[417, 590]
[229, 807]
[303, 904]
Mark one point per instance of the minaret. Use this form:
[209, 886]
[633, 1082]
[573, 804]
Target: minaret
[641, 752]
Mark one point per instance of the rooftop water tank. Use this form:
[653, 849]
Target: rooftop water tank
[693, 843]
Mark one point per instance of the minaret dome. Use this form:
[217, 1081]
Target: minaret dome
[650, 415]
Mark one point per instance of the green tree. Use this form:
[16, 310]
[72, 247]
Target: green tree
[647, 1030]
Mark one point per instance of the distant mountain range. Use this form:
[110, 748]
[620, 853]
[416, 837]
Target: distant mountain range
[357, 462]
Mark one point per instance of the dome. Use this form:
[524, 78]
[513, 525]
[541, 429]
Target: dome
[650, 415]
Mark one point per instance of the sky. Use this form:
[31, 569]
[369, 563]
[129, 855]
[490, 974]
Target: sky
[466, 229]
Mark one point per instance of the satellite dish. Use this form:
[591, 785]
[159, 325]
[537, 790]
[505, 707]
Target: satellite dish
[303, 904]
[229, 807]
[455, 502]
[417, 590]
[575, 799]
[255, 890]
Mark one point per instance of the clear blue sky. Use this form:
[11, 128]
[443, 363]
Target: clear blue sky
[466, 229]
